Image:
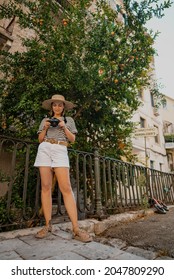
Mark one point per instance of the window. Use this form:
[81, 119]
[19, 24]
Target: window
[152, 100]
[166, 126]
[152, 164]
[161, 166]
[157, 136]
[6, 31]
[142, 122]
[164, 104]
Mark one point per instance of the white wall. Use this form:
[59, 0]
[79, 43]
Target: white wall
[156, 151]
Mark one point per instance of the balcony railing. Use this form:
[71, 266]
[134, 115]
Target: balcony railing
[169, 138]
[101, 185]
[169, 145]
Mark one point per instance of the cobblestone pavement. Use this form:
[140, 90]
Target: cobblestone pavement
[151, 233]
[22, 244]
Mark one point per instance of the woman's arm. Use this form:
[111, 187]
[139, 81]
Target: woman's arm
[43, 132]
[71, 136]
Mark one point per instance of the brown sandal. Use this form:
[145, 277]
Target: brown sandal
[82, 236]
[44, 232]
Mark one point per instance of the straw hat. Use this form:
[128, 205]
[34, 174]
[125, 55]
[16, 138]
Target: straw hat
[57, 98]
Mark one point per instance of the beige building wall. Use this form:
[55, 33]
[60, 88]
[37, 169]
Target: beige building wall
[11, 35]
[155, 153]
[167, 111]
[167, 114]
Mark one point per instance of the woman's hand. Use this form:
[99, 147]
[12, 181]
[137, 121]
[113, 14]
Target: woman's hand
[44, 131]
[46, 125]
[62, 124]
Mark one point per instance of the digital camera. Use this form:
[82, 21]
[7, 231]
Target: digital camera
[54, 122]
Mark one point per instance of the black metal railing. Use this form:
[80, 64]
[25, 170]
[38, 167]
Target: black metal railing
[101, 185]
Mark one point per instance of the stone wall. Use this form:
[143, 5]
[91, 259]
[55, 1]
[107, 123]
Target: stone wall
[11, 34]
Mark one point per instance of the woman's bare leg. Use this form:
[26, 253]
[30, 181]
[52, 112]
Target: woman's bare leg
[46, 194]
[62, 175]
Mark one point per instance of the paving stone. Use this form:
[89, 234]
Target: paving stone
[18, 233]
[12, 244]
[113, 242]
[96, 251]
[63, 234]
[142, 253]
[67, 256]
[33, 241]
[47, 248]
[10, 255]
[87, 225]
[128, 256]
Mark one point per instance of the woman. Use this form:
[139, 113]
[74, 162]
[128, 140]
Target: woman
[52, 156]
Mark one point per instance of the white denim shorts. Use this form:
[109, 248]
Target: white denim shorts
[53, 155]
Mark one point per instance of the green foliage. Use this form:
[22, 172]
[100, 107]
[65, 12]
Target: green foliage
[3, 212]
[23, 179]
[88, 56]
[4, 177]
[169, 138]
[159, 98]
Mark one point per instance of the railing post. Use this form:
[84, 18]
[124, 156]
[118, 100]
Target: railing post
[98, 203]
